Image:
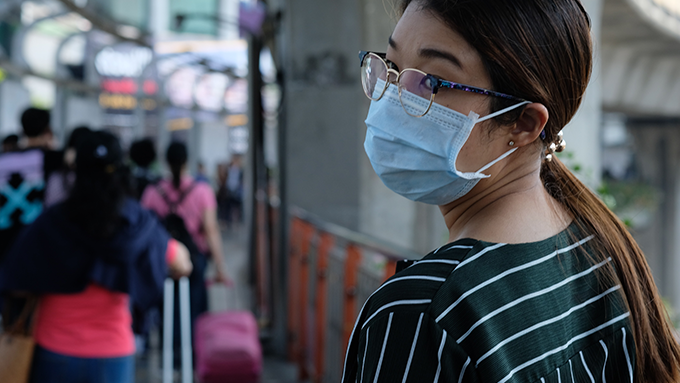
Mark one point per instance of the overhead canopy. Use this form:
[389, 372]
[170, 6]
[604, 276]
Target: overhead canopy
[640, 55]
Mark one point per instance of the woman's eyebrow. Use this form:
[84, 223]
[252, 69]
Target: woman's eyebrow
[392, 43]
[435, 53]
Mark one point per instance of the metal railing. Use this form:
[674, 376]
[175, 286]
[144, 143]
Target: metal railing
[331, 273]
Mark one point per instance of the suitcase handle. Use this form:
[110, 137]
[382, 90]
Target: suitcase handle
[185, 327]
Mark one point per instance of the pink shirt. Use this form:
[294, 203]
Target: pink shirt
[199, 200]
[95, 323]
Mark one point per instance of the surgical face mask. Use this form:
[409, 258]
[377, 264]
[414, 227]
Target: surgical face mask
[416, 157]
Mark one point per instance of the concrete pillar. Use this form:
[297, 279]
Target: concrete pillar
[159, 18]
[583, 133]
[658, 162]
[323, 97]
[228, 11]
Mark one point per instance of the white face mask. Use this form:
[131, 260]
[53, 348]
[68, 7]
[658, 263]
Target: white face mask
[416, 157]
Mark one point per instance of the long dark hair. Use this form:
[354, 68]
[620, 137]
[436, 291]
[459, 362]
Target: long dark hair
[541, 50]
[177, 156]
[101, 185]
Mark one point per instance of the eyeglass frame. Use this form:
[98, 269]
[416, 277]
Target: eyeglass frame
[438, 83]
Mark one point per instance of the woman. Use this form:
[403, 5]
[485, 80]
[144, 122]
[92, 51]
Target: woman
[540, 281]
[195, 203]
[91, 258]
[60, 182]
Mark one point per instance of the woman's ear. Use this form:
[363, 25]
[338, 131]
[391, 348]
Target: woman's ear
[530, 124]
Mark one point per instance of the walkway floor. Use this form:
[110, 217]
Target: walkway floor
[276, 368]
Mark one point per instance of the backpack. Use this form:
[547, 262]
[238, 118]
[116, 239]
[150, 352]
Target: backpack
[174, 223]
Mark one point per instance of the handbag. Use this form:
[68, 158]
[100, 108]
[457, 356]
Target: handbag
[17, 345]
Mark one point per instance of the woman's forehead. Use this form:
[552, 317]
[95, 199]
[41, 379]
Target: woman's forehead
[420, 36]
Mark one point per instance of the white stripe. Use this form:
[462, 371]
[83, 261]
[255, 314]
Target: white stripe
[413, 347]
[453, 247]
[564, 347]
[410, 277]
[505, 273]
[571, 370]
[447, 261]
[606, 356]
[462, 373]
[583, 360]
[559, 375]
[439, 357]
[530, 296]
[382, 352]
[351, 337]
[397, 303]
[486, 250]
[545, 323]
[363, 361]
[542, 380]
[625, 351]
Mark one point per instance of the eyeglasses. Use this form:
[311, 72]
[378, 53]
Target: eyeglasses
[414, 81]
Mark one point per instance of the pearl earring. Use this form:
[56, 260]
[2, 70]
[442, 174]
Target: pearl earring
[511, 143]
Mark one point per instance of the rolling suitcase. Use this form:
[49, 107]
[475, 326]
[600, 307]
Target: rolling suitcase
[185, 326]
[228, 348]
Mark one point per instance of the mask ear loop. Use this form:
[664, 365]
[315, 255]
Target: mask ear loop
[509, 152]
[502, 111]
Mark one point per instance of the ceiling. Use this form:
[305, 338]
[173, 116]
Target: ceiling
[640, 57]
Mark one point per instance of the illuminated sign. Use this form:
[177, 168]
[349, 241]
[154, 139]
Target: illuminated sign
[209, 92]
[120, 62]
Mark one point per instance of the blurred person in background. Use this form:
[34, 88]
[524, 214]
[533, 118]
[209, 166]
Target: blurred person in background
[201, 176]
[10, 143]
[193, 203]
[539, 280]
[24, 174]
[222, 194]
[90, 259]
[235, 188]
[143, 156]
[60, 182]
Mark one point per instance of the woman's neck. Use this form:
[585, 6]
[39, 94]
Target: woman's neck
[514, 208]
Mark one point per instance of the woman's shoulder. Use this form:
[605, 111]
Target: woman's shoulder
[443, 280]
[417, 282]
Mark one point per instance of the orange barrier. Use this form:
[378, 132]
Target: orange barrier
[325, 247]
[313, 336]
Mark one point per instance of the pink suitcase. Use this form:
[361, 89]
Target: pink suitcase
[227, 348]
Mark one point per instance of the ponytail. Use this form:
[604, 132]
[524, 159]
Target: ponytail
[657, 349]
[176, 176]
[177, 156]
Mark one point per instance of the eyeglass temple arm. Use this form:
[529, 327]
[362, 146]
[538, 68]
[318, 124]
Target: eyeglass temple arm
[473, 89]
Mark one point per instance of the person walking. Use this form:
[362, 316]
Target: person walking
[195, 204]
[539, 282]
[90, 259]
[24, 174]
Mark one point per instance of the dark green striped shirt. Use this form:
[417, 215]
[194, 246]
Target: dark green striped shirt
[475, 311]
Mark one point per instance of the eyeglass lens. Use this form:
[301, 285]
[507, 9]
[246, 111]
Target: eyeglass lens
[412, 81]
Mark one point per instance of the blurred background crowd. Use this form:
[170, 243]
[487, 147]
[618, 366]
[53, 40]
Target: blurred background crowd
[261, 105]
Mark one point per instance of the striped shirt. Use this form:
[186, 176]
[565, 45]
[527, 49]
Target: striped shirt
[475, 311]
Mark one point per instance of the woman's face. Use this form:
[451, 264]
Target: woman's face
[422, 41]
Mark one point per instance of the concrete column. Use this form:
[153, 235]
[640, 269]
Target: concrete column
[159, 17]
[323, 97]
[583, 133]
[228, 11]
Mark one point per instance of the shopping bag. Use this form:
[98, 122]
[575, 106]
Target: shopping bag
[17, 345]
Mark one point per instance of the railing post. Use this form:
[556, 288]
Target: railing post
[352, 264]
[390, 269]
[293, 280]
[308, 234]
[325, 246]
